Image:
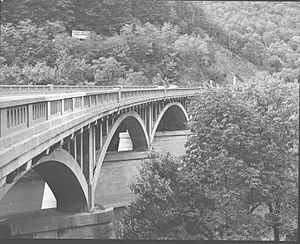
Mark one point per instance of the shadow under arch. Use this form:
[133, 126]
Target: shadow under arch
[178, 114]
[132, 122]
[65, 179]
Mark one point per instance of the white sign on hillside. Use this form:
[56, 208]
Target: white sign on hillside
[81, 34]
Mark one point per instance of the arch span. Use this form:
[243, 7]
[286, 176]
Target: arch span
[66, 180]
[177, 116]
[132, 122]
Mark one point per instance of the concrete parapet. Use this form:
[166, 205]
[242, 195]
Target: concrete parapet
[56, 225]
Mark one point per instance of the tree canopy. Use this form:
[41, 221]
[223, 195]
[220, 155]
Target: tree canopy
[238, 179]
[265, 33]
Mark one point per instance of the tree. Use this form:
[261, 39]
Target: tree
[256, 23]
[194, 58]
[38, 11]
[152, 215]
[238, 179]
[107, 71]
[254, 51]
[26, 43]
[243, 145]
[133, 78]
[73, 71]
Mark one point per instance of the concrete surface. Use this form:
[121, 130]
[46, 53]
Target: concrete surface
[52, 224]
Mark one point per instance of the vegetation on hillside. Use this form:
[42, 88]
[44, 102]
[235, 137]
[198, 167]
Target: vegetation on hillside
[266, 33]
[132, 42]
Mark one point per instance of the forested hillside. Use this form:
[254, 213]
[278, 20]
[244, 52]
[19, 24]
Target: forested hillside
[132, 42]
[266, 33]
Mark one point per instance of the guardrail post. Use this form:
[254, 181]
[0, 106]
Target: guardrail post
[73, 103]
[50, 86]
[48, 110]
[29, 115]
[3, 121]
[62, 106]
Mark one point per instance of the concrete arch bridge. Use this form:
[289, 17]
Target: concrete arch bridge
[65, 137]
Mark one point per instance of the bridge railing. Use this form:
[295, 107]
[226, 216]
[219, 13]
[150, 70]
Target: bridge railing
[59, 88]
[17, 113]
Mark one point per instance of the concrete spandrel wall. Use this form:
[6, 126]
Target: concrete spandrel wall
[118, 170]
[113, 184]
[171, 141]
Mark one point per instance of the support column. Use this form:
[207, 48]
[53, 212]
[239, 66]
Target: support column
[145, 115]
[97, 135]
[187, 105]
[81, 151]
[93, 148]
[100, 136]
[75, 147]
[89, 161]
[150, 120]
[106, 125]
[69, 146]
[154, 111]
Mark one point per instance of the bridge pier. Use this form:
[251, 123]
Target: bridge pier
[89, 155]
[51, 224]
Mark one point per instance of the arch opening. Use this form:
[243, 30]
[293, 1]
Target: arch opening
[136, 136]
[65, 179]
[63, 176]
[64, 185]
[132, 122]
[173, 119]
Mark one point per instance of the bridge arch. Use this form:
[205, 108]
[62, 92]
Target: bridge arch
[66, 180]
[138, 134]
[177, 114]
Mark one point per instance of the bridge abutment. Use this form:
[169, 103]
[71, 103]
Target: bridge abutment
[52, 224]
